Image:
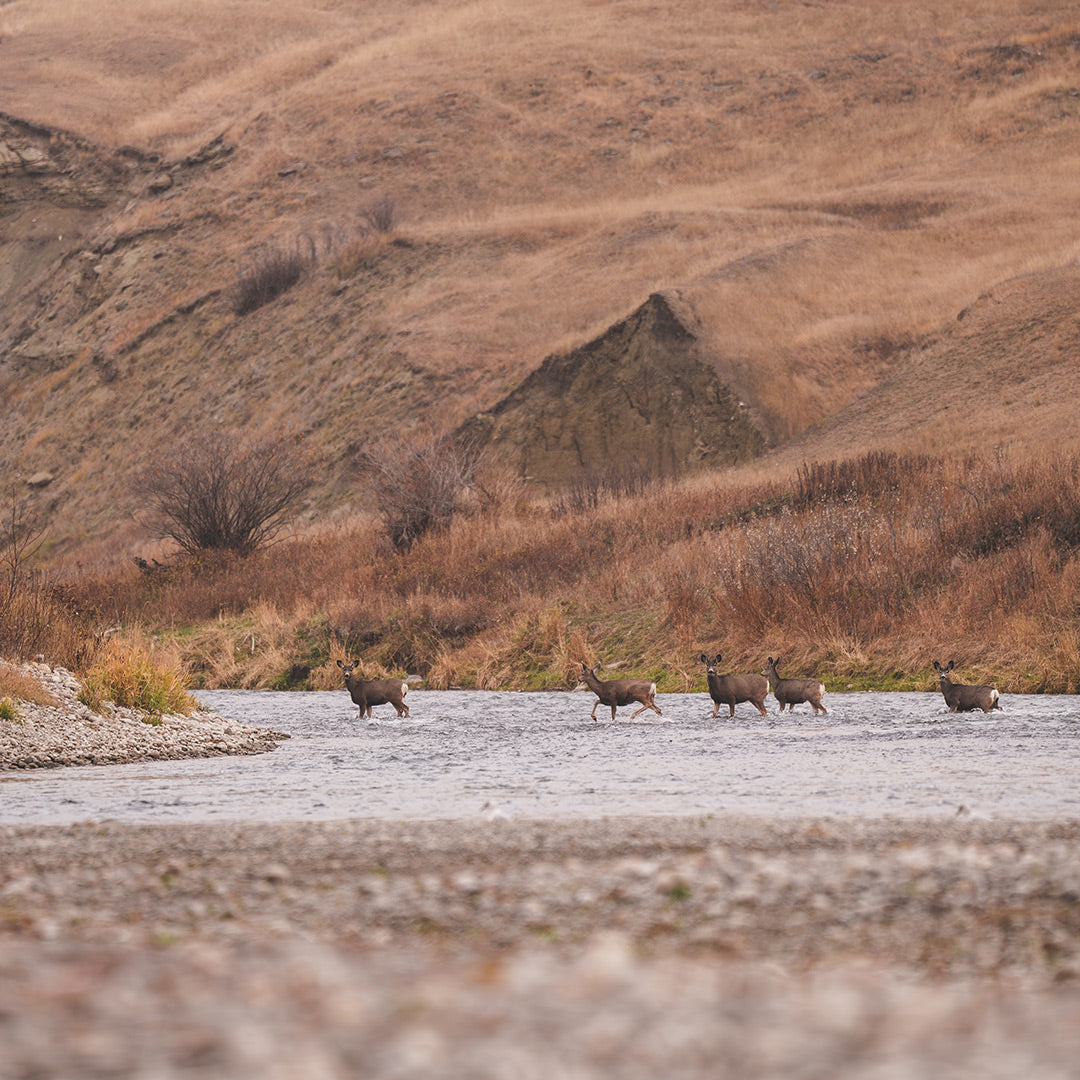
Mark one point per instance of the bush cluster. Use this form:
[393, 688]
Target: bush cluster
[131, 677]
[889, 563]
[271, 273]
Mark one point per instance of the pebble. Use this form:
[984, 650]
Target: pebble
[70, 733]
[433, 949]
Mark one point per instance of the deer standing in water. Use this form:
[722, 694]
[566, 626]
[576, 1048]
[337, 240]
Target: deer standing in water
[620, 692]
[963, 698]
[791, 692]
[730, 690]
[368, 692]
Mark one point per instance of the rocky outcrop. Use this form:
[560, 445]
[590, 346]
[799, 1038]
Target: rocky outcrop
[39, 162]
[641, 395]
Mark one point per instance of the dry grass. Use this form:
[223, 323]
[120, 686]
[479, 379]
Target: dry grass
[17, 684]
[827, 186]
[860, 571]
[131, 675]
[814, 177]
[38, 620]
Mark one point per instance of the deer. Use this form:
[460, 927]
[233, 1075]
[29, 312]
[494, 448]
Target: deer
[368, 692]
[963, 698]
[730, 690]
[791, 692]
[620, 692]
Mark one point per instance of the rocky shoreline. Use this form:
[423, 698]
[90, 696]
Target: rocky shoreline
[70, 733]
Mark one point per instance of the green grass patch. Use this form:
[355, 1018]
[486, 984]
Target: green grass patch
[134, 679]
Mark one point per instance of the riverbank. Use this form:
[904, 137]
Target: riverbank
[618, 947]
[67, 732]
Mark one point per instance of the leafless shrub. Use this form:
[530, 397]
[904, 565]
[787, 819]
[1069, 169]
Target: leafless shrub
[20, 539]
[273, 271]
[615, 481]
[36, 618]
[418, 486]
[1003, 504]
[876, 473]
[382, 216]
[839, 562]
[218, 493]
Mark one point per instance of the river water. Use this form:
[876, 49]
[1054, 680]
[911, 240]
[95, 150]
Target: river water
[465, 754]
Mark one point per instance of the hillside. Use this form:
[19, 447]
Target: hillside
[826, 190]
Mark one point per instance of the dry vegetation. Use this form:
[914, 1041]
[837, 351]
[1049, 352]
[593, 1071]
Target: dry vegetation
[861, 571]
[827, 187]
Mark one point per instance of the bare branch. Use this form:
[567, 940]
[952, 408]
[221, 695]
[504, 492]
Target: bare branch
[20, 538]
[418, 486]
[218, 493]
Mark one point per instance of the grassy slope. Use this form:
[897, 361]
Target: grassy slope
[824, 184]
[829, 187]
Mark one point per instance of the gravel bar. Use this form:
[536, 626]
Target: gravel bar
[621, 947]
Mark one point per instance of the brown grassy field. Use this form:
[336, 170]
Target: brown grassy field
[861, 571]
[870, 208]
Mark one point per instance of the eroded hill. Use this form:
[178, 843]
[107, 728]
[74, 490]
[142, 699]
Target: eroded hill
[824, 189]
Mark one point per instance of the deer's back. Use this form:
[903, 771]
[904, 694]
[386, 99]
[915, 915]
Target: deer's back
[376, 691]
[623, 691]
[797, 690]
[727, 688]
[963, 698]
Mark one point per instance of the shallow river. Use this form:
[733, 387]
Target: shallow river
[470, 753]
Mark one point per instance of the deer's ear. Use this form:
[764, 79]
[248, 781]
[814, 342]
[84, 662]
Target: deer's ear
[704, 658]
[340, 664]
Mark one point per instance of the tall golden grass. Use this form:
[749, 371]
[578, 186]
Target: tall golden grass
[861, 571]
[129, 674]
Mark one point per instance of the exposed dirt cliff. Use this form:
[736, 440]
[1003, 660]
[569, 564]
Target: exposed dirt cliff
[639, 396]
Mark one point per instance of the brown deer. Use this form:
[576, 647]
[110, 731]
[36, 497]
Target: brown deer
[962, 698]
[730, 690]
[791, 692]
[368, 692]
[620, 692]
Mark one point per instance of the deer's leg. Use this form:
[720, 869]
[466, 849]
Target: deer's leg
[593, 714]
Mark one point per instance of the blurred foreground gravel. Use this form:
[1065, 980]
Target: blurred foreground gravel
[625, 947]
